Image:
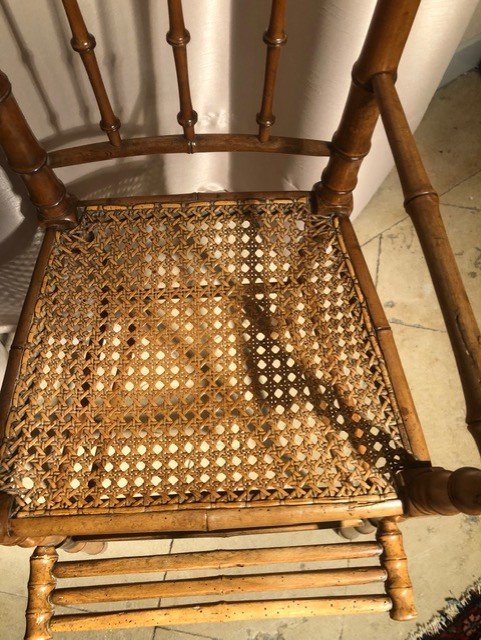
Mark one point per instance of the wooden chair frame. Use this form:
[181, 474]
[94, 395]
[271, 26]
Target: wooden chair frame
[425, 489]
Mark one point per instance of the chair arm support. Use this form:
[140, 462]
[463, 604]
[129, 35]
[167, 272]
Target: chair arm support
[422, 205]
[437, 491]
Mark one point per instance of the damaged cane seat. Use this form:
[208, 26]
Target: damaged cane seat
[201, 353]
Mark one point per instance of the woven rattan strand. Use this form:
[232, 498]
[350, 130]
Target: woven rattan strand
[200, 353]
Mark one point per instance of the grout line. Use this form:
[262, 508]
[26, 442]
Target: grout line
[16, 595]
[188, 633]
[460, 182]
[384, 230]
[460, 206]
[415, 325]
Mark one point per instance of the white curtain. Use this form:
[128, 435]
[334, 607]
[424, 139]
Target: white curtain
[226, 63]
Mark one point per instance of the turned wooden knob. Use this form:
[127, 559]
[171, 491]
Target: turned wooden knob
[464, 489]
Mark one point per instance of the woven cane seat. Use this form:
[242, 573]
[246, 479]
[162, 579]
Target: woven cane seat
[200, 352]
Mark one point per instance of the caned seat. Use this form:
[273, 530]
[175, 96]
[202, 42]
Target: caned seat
[201, 352]
[220, 365]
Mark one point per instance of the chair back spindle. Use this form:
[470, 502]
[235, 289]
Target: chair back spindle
[178, 37]
[274, 38]
[84, 43]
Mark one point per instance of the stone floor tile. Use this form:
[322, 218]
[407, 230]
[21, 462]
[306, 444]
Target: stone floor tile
[432, 376]
[12, 615]
[449, 136]
[14, 571]
[384, 211]
[466, 194]
[319, 628]
[403, 281]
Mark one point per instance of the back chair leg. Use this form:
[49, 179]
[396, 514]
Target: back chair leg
[27, 158]
[90, 547]
[40, 585]
[382, 50]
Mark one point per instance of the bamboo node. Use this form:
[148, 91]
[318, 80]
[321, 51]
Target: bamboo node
[274, 41]
[185, 121]
[178, 40]
[30, 170]
[83, 45]
[265, 122]
[113, 126]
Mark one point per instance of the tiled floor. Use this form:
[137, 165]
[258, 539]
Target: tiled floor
[445, 553]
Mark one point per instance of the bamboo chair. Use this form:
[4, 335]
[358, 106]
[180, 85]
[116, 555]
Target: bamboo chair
[221, 364]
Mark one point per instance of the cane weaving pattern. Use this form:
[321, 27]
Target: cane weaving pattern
[210, 353]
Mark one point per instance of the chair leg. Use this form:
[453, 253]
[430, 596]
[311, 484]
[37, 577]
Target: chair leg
[28, 159]
[91, 547]
[40, 585]
[394, 561]
[352, 529]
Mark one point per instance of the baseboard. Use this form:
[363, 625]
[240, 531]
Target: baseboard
[466, 57]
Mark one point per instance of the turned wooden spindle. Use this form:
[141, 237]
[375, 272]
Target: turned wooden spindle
[437, 491]
[29, 160]
[40, 585]
[274, 38]
[422, 204]
[394, 561]
[178, 37]
[382, 51]
[84, 43]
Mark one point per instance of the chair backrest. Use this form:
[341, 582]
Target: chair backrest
[384, 44]
[190, 142]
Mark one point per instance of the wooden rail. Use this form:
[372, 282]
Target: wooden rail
[274, 38]
[222, 613]
[204, 143]
[219, 585]
[416, 442]
[195, 520]
[422, 205]
[178, 37]
[219, 559]
[84, 43]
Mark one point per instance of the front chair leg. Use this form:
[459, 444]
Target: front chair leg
[394, 561]
[40, 585]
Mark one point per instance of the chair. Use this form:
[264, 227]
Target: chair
[221, 364]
